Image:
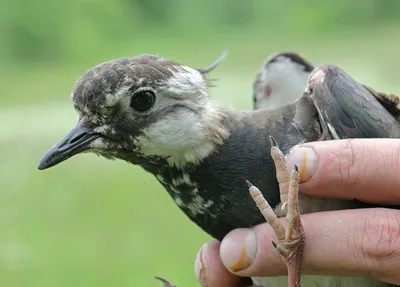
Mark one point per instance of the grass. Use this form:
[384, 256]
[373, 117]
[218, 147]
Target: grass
[89, 223]
[93, 222]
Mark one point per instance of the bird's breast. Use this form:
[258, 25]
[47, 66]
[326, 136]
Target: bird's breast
[214, 193]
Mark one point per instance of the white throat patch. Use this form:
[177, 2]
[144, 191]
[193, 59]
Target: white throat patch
[180, 141]
[185, 135]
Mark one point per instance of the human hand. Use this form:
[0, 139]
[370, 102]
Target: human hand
[346, 242]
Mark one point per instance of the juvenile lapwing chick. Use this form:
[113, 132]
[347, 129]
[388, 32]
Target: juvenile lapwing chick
[156, 113]
[281, 80]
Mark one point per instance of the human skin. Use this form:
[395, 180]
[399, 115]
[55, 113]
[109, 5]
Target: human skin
[346, 242]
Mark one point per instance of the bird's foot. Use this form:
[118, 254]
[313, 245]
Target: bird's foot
[291, 238]
[165, 282]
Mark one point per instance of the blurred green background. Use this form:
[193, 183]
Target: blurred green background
[93, 222]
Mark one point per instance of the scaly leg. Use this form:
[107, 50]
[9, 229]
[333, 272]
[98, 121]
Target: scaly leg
[291, 238]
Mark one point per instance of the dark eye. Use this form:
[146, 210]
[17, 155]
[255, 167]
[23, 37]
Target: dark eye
[143, 101]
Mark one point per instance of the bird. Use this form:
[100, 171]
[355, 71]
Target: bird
[281, 80]
[214, 161]
[283, 77]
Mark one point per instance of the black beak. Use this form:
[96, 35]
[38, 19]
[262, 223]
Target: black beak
[76, 141]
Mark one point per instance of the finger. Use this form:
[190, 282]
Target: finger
[210, 271]
[363, 169]
[346, 242]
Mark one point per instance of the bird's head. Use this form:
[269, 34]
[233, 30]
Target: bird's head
[141, 109]
[281, 80]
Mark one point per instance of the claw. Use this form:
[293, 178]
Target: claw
[166, 282]
[273, 142]
[283, 207]
[249, 183]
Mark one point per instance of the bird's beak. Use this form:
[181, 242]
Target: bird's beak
[76, 141]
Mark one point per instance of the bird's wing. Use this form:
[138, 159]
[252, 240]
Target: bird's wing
[389, 101]
[347, 106]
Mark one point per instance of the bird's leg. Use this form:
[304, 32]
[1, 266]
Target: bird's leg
[291, 238]
[165, 282]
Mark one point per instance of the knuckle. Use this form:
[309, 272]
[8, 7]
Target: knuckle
[350, 165]
[357, 160]
[380, 240]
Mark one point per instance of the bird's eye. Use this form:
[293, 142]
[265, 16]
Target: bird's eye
[143, 101]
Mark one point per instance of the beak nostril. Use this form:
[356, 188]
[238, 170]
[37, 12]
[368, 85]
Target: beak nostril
[77, 138]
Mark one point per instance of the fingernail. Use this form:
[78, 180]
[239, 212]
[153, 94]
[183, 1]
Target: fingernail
[198, 267]
[238, 249]
[306, 160]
